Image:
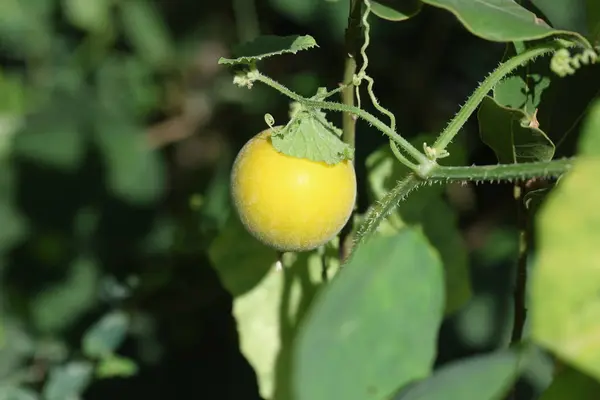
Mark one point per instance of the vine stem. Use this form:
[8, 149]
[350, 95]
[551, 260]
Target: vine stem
[381, 209]
[502, 172]
[488, 84]
[365, 115]
[352, 36]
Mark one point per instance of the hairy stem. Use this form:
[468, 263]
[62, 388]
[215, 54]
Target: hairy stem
[381, 209]
[488, 84]
[328, 105]
[502, 172]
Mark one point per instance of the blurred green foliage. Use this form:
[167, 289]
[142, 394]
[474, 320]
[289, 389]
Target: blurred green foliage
[123, 269]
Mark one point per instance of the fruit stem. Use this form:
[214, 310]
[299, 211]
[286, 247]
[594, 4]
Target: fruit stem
[328, 105]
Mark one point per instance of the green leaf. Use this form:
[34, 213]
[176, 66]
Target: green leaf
[593, 19]
[396, 10]
[499, 20]
[506, 131]
[14, 225]
[93, 16]
[68, 381]
[564, 14]
[360, 320]
[135, 172]
[309, 135]
[426, 208]
[9, 392]
[572, 384]
[240, 260]
[16, 346]
[564, 301]
[104, 337]
[116, 366]
[484, 377]
[53, 135]
[126, 85]
[522, 94]
[60, 305]
[146, 31]
[268, 46]
[268, 316]
[25, 27]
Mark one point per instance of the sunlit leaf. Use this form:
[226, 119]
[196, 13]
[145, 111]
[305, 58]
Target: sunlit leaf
[564, 301]
[268, 317]
[116, 366]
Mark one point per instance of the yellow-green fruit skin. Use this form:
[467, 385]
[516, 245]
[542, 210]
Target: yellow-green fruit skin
[290, 203]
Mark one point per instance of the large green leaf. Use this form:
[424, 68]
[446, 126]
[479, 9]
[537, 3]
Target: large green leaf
[565, 280]
[498, 20]
[564, 14]
[484, 377]
[508, 133]
[572, 384]
[426, 208]
[356, 341]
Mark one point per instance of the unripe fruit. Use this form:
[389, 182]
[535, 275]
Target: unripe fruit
[290, 203]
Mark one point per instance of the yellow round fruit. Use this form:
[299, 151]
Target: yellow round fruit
[290, 203]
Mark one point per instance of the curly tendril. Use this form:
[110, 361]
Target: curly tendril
[563, 63]
[362, 73]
